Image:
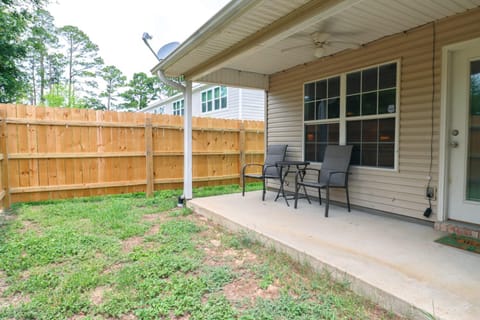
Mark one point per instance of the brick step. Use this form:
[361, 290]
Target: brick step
[464, 229]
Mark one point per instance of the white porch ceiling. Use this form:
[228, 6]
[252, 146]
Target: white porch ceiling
[254, 39]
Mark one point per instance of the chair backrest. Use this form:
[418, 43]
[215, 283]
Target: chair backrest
[275, 153]
[337, 158]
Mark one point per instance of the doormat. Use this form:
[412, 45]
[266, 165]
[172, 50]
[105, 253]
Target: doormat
[461, 242]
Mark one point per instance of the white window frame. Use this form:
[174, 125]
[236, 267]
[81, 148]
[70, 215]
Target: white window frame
[342, 120]
[178, 107]
[212, 100]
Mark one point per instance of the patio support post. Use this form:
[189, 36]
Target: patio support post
[187, 142]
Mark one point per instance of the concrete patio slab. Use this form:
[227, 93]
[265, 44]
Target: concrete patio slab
[393, 262]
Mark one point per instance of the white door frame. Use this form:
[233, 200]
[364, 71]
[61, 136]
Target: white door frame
[445, 96]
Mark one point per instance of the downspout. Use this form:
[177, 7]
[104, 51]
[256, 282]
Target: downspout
[187, 132]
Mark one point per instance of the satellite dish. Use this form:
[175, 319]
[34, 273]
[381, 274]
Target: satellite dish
[167, 49]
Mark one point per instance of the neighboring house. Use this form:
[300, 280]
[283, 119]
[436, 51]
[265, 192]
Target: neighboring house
[216, 102]
[398, 80]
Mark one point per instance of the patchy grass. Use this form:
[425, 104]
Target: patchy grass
[130, 257]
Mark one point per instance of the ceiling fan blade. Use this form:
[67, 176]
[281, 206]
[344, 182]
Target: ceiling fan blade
[297, 47]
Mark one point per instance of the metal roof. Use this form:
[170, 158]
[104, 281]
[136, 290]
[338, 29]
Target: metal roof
[250, 39]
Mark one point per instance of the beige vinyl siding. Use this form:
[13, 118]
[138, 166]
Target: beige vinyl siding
[398, 191]
[253, 102]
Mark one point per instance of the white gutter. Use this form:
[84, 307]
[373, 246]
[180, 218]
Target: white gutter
[187, 132]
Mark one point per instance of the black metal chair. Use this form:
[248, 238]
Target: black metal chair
[333, 174]
[270, 170]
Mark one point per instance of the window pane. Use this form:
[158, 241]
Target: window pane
[310, 152]
[369, 79]
[354, 131]
[310, 133]
[204, 96]
[217, 92]
[322, 133]
[369, 154]
[333, 133]
[334, 87]
[353, 106]
[204, 107]
[321, 110]
[217, 104]
[209, 94]
[309, 111]
[353, 83]
[355, 160]
[224, 91]
[224, 102]
[388, 76]
[321, 90]
[309, 92]
[369, 130]
[386, 130]
[386, 155]
[209, 105]
[333, 108]
[320, 152]
[369, 103]
[386, 101]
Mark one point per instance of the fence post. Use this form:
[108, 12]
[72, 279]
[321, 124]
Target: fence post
[241, 146]
[3, 147]
[149, 157]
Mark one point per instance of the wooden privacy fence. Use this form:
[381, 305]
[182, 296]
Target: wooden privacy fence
[52, 153]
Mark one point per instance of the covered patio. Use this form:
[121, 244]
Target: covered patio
[392, 261]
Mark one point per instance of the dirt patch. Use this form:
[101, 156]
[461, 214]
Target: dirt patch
[130, 243]
[153, 230]
[113, 268]
[15, 300]
[30, 226]
[3, 283]
[241, 289]
[97, 295]
[248, 288]
[152, 217]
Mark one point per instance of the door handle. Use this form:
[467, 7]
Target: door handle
[454, 144]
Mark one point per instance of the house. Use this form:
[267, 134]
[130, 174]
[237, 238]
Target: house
[399, 80]
[215, 101]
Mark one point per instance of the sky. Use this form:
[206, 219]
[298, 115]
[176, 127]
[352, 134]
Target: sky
[117, 26]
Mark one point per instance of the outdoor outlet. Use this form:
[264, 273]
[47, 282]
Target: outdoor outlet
[430, 193]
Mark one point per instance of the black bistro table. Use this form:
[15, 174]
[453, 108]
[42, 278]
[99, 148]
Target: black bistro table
[286, 167]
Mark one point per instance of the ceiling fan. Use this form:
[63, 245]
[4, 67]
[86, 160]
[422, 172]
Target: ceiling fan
[320, 42]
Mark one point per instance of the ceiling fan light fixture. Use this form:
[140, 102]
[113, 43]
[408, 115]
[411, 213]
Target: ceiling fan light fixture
[319, 52]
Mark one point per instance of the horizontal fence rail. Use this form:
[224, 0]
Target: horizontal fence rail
[53, 153]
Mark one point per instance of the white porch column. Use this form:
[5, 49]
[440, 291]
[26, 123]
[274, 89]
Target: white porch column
[187, 142]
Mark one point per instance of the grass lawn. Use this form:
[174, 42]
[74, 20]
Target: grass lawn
[129, 257]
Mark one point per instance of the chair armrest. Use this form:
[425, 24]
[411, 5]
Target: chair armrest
[306, 171]
[251, 165]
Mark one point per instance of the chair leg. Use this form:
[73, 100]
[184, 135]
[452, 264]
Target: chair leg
[264, 190]
[348, 198]
[320, 196]
[297, 187]
[243, 187]
[327, 202]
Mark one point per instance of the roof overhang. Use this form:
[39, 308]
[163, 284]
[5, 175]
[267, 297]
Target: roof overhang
[249, 40]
